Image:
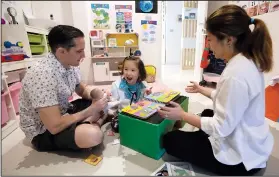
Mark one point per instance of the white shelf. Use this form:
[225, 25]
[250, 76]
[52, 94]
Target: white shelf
[15, 65]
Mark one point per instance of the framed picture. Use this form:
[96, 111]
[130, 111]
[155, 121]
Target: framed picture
[146, 6]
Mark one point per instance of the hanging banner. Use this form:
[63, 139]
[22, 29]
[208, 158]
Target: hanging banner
[123, 18]
[100, 16]
[148, 31]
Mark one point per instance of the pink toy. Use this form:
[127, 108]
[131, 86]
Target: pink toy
[15, 90]
[4, 112]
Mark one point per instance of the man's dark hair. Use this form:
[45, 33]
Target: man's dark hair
[63, 36]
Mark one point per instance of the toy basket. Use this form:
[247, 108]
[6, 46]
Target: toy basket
[150, 73]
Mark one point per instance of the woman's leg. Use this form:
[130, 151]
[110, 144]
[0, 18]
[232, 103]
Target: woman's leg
[195, 148]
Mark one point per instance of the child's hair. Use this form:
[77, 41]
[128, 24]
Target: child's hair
[232, 20]
[140, 65]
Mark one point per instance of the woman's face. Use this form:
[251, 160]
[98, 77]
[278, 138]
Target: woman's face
[216, 46]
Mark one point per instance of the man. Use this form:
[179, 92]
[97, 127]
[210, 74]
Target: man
[46, 116]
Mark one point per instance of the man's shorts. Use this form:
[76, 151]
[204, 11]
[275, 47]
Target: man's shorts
[65, 140]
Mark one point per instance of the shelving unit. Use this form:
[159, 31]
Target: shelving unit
[34, 40]
[105, 69]
[121, 49]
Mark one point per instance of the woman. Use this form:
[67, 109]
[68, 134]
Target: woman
[234, 139]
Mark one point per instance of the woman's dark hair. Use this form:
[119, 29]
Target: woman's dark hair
[63, 36]
[232, 20]
[140, 65]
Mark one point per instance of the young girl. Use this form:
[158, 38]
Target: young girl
[131, 87]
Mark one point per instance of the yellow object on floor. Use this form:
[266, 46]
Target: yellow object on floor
[150, 73]
[93, 159]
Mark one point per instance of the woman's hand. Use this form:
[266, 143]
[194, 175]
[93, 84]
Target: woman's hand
[175, 112]
[195, 88]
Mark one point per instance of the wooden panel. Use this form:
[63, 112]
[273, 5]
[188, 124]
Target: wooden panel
[191, 4]
[189, 28]
[188, 58]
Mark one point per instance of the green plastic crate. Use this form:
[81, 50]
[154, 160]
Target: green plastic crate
[35, 38]
[145, 136]
[37, 49]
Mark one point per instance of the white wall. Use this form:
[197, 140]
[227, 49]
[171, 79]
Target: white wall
[273, 30]
[173, 32]
[43, 9]
[66, 11]
[82, 19]
[214, 5]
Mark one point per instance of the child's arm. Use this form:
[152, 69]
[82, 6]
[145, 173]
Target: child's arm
[147, 90]
[114, 92]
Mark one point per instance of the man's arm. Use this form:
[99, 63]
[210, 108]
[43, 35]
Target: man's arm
[83, 91]
[55, 122]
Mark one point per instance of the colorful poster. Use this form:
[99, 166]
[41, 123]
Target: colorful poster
[123, 18]
[274, 6]
[100, 16]
[263, 7]
[148, 31]
[190, 13]
[252, 9]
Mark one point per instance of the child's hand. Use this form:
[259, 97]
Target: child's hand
[148, 91]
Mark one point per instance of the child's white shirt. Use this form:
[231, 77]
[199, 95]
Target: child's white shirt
[119, 94]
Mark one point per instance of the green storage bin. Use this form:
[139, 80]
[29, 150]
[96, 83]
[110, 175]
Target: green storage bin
[145, 136]
[37, 49]
[34, 38]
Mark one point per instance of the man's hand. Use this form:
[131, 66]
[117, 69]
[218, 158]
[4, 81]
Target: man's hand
[99, 105]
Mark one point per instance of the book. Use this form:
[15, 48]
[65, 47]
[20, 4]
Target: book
[161, 171]
[149, 105]
[180, 169]
[174, 169]
[142, 109]
[163, 97]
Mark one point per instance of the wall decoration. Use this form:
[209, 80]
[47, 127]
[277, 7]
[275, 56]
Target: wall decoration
[252, 9]
[263, 7]
[274, 6]
[190, 13]
[100, 16]
[146, 6]
[123, 18]
[148, 31]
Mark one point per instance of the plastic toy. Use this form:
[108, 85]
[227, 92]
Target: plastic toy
[137, 53]
[3, 21]
[13, 52]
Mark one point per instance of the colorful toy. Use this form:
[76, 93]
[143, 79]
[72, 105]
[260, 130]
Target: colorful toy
[3, 21]
[13, 52]
[137, 53]
[150, 73]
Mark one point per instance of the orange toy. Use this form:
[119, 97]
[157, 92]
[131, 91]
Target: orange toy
[272, 102]
[205, 61]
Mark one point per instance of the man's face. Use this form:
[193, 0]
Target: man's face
[74, 55]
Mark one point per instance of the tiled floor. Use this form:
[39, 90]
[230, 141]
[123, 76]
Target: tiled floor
[18, 158]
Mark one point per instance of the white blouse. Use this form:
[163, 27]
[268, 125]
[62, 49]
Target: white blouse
[238, 130]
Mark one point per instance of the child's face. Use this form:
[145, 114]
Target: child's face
[131, 72]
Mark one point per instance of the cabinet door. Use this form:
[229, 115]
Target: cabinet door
[101, 71]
